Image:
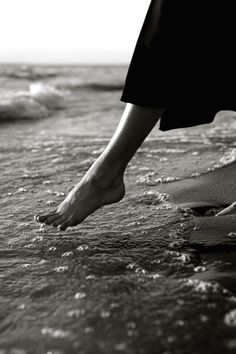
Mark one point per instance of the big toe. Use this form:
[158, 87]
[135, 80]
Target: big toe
[43, 218]
[40, 218]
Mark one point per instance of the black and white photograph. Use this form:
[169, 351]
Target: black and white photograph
[117, 177]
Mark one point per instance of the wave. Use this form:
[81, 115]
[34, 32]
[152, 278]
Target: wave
[93, 86]
[38, 102]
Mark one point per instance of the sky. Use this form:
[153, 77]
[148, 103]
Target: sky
[70, 31]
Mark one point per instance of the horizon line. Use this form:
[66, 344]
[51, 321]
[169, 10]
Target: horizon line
[63, 63]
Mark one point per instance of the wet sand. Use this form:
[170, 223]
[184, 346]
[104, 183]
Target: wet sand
[145, 275]
[212, 191]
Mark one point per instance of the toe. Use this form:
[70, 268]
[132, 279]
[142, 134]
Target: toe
[68, 223]
[52, 218]
[42, 218]
[58, 221]
[64, 225]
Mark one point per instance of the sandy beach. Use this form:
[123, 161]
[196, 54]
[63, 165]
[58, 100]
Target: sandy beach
[146, 275]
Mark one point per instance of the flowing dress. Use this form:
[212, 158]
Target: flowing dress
[185, 60]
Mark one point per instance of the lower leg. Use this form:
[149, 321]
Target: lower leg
[103, 183]
[135, 125]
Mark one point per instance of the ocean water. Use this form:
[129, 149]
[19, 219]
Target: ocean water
[127, 280]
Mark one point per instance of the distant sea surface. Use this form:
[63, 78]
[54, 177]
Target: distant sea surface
[28, 91]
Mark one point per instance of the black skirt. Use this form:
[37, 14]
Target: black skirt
[185, 61]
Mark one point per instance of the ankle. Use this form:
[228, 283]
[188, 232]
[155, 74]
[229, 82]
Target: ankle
[107, 168]
[104, 176]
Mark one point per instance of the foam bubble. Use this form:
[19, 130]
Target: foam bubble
[203, 286]
[229, 157]
[76, 313]
[67, 254]
[105, 314]
[79, 296]
[230, 318]
[55, 333]
[61, 269]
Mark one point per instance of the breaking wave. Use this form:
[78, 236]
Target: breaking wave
[38, 102]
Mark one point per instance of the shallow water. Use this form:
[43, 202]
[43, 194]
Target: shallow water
[127, 280]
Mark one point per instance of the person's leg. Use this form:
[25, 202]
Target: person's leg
[103, 183]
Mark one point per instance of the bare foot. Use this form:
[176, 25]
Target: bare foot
[229, 210]
[87, 196]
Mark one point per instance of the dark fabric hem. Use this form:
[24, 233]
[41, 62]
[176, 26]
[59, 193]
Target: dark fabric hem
[164, 127]
[178, 118]
[141, 103]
